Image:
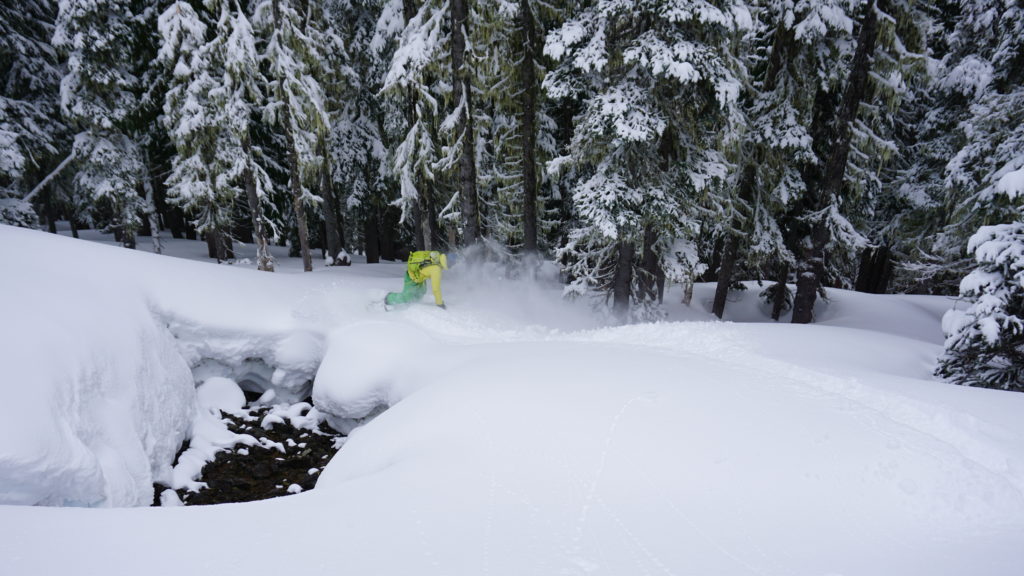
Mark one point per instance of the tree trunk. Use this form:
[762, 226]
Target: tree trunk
[875, 270]
[528, 127]
[428, 217]
[295, 183]
[219, 245]
[50, 210]
[462, 95]
[211, 244]
[724, 275]
[371, 236]
[332, 228]
[650, 268]
[264, 261]
[811, 267]
[127, 229]
[781, 290]
[389, 223]
[730, 246]
[623, 281]
[227, 246]
[154, 221]
[688, 292]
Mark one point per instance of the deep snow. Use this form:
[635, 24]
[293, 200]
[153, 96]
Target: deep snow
[523, 437]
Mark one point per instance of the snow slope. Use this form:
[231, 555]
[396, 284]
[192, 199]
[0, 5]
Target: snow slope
[523, 436]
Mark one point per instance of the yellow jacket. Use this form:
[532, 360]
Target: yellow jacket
[426, 264]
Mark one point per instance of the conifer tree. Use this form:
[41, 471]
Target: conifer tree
[514, 129]
[792, 51]
[98, 98]
[214, 93]
[659, 94]
[985, 179]
[31, 134]
[359, 152]
[985, 342]
[295, 102]
[850, 148]
[194, 116]
[414, 38]
[242, 96]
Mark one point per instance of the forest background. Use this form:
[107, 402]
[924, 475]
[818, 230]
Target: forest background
[867, 144]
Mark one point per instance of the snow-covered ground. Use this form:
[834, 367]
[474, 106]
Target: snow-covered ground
[523, 435]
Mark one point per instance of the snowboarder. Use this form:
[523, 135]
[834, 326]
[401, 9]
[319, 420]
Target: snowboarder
[423, 265]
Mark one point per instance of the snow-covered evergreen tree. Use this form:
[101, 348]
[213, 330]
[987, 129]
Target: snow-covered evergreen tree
[242, 96]
[31, 134]
[852, 140]
[515, 132]
[659, 92]
[295, 101]
[791, 54]
[984, 71]
[985, 180]
[358, 150]
[194, 119]
[416, 39]
[985, 342]
[98, 98]
[213, 95]
[333, 72]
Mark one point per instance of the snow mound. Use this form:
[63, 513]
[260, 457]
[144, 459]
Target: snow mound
[221, 394]
[103, 398]
[370, 366]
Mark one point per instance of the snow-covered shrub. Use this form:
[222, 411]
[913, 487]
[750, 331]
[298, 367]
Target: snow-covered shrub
[17, 212]
[985, 342]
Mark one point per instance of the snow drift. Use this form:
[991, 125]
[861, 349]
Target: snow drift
[516, 442]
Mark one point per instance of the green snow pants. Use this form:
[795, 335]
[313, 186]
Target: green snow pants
[411, 292]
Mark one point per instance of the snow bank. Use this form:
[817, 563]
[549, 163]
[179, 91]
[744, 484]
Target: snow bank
[370, 366]
[284, 362]
[98, 397]
[102, 350]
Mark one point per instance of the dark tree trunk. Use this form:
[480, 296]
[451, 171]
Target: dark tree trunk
[875, 270]
[528, 127]
[371, 237]
[219, 245]
[811, 266]
[730, 246]
[651, 273]
[227, 246]
[780, 293]
[175, 222]
[332, 228]
[211, 244]
[462, 95]
[389, 233]
[623, 281]
[50, 210]
[724, 275]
